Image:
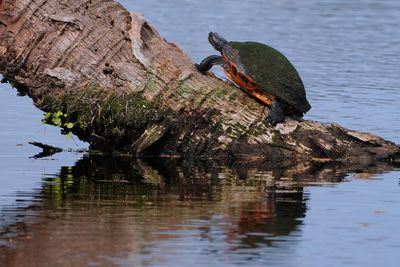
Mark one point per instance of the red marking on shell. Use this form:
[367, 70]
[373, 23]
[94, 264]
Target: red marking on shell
[246, 83]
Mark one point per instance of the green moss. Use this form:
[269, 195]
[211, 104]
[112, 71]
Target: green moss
[278, 141]
[218, 93]
[111, 116]
[218, 127]
[150, 85]
[254, 130]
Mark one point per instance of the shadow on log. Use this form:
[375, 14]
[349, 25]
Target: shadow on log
[124, 88]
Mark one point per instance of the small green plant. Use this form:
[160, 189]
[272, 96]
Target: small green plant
[58, 119]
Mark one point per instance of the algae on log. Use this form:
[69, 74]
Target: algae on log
[124, 88]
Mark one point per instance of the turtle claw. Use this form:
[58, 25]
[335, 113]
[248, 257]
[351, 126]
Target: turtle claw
[199, 68]
[272, 121]
[298, 118]
[274, 114]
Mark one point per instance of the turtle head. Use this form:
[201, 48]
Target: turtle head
[216, 41]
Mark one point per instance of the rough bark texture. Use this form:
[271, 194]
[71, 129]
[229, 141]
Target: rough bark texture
[124, 88]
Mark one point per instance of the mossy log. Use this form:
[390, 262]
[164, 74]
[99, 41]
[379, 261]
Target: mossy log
[122, 87]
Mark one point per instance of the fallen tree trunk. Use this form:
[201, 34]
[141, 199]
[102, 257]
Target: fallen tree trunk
[110, 78]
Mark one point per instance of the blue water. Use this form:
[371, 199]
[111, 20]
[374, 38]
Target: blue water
[64, 211]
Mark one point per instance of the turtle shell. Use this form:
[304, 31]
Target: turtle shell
[270, 70]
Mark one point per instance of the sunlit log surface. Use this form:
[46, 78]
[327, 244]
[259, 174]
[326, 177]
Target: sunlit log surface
[122, 87]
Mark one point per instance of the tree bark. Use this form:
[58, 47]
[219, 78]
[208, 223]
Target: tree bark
[121, 87]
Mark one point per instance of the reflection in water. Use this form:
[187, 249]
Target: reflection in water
[130, 211]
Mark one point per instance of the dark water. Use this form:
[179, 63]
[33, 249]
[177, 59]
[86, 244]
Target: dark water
[73, 209]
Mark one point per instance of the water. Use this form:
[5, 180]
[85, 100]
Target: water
[74, 209]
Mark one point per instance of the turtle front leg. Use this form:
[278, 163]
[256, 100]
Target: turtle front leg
[208, 62]
[275, 114]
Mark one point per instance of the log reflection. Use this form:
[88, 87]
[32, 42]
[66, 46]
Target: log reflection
[105, 208]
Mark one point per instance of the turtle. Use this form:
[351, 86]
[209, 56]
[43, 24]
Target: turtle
[264, 73]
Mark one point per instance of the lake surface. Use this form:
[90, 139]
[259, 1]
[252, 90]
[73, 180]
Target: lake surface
[75, 209]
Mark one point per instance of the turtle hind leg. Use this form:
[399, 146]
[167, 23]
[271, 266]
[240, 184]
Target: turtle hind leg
[275, 113]
[207, 63]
